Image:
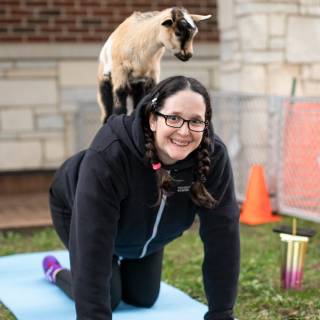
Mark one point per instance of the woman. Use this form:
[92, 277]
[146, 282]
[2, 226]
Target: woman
[139, 185]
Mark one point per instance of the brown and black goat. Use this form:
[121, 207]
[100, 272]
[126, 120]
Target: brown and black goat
[130, 59]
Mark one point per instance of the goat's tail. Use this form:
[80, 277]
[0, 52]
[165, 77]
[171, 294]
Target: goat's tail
[105, 99]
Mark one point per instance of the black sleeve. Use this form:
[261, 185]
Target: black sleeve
[219, 231]
[93, 231]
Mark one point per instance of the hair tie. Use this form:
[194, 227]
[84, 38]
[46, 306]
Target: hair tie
[154, 102]
[156, 166]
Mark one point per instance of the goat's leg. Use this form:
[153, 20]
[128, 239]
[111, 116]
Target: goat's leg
[120, 89]
[105, 99]
[120, 100]
[140, 88]
[137, 91]
[150, 83]
[104, 93]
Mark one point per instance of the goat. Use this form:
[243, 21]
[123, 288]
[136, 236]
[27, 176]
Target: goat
[130, 58]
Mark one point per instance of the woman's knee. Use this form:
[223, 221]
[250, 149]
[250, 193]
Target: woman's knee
[61, 220]
[142, 300]
[141, 280]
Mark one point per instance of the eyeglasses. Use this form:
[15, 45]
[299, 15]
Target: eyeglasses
[175, 121]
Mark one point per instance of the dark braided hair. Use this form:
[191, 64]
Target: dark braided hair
[154, 101]
[164, 180]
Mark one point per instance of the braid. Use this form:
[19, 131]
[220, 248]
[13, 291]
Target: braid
[199, 193]
[151, 154]
[164, 180]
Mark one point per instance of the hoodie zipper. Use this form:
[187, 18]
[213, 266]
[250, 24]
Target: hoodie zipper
[155, 226]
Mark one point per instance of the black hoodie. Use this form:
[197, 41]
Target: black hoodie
[111, 192]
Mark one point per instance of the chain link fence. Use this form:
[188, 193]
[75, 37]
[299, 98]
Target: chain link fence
[283, 135]
[279, 133]
[299, 165]
[249, 126]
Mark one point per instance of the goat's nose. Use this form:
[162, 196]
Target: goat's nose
[188, 55]
[183, 56]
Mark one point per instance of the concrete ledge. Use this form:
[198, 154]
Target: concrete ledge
[80, 51]
[48, 51]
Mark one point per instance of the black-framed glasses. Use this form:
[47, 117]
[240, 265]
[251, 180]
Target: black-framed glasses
[175, 121]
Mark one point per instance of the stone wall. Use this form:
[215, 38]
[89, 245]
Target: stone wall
[45, 88]
[264, 44]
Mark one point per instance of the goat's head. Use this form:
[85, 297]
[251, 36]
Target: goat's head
[178, 30]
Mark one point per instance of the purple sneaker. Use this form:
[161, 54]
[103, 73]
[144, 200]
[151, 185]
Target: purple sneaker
[51, 266]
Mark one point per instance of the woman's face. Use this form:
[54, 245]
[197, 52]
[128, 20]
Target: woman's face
[174, 144]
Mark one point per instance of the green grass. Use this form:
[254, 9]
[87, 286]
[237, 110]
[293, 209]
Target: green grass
[259, 298]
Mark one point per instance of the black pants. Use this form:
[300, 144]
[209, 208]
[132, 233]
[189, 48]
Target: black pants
[135, 281]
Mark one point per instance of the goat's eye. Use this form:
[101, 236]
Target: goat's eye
[167, 23]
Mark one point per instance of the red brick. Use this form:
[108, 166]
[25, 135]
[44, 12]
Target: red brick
[103, 30]
[111, 3]
[8, 38]
[10, 21]
[37, 21]
[77, 30]
[38, 39]
[92, 39]
[90, 3]
[75, 12]
[23, 29]
[144, 2]
[51, 29]
[32, 3]
[102, 12]
[9, 2]
[65, 21]
[64, 3]
[50, 12]
[123, 13]
[114, 20]
[126, 12]
[20, 12]
[91, 21]
[59, 38]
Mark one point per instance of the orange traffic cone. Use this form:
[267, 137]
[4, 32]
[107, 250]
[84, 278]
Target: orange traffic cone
[256, 208]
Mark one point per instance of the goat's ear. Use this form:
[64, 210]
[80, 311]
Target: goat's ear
[167, 23]
[198, 17]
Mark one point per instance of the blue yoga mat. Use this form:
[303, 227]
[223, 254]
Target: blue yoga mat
[29, 296]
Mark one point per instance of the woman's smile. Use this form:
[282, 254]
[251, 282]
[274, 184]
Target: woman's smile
[180, 143]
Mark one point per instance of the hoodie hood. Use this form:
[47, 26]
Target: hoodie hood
[128, 129]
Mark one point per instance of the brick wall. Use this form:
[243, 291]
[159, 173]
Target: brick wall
[57, 21]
